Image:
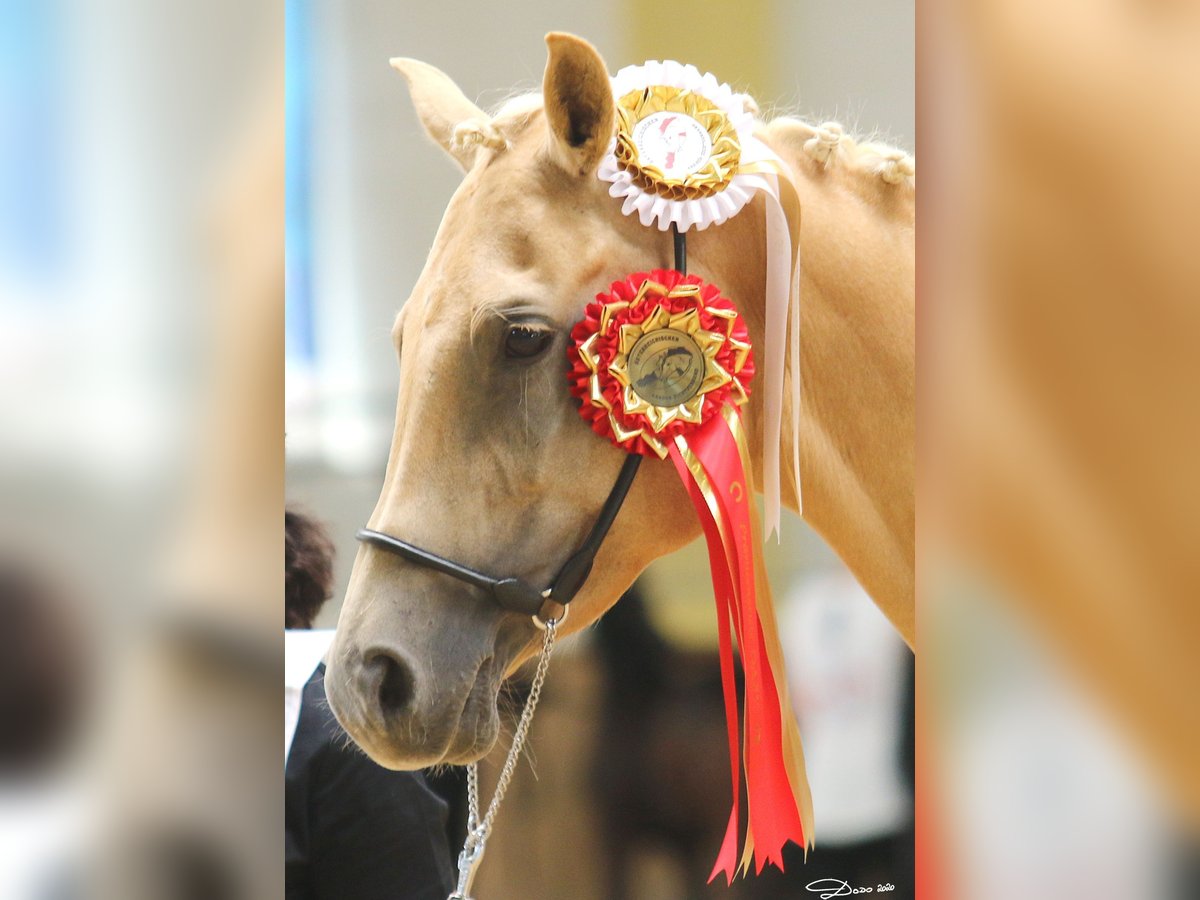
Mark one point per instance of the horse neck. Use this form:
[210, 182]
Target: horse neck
[857, 433]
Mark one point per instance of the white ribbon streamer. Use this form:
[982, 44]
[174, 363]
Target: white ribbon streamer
[783, 310]
[779, 282]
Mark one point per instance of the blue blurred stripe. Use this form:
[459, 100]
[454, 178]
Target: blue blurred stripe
[33, 217]
[300, 345]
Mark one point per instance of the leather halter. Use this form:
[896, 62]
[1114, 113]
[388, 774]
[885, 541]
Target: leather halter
[515, 594]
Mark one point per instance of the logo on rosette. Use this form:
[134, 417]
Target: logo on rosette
[666, 368]
[675, 143]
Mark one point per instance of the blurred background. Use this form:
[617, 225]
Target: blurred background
[141, 398]
[625, 794]
[141, 414]
[1058, 494]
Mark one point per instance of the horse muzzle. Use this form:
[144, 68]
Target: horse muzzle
[406, 718]
[417, 664]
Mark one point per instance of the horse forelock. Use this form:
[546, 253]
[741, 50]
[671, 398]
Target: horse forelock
[517, 110]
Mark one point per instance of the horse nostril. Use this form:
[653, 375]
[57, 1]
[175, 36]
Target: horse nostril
[396, 683]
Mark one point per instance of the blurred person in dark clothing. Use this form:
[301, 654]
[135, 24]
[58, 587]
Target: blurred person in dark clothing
[45, 670]
[354, 830]
[42, 673]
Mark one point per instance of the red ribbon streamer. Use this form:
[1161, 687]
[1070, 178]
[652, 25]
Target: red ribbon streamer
[723, 594]
[772, 816]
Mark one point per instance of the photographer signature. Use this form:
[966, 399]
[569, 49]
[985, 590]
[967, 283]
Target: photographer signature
[827, 888]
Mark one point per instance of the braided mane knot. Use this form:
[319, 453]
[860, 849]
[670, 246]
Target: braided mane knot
[823, 145]
[477, 133]
[896, 167]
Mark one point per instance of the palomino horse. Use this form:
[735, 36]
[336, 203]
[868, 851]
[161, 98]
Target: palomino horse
[491, 464]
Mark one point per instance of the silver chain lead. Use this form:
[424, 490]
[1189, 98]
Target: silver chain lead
[479, 829]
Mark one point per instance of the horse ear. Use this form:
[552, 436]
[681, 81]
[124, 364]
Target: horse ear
[443, 108]
[579, 105]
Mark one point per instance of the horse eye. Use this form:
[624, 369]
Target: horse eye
[523, 342]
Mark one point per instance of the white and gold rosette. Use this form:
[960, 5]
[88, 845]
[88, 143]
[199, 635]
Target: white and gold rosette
[685, 151]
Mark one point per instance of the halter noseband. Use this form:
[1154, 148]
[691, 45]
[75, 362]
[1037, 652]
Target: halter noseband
[515, 594]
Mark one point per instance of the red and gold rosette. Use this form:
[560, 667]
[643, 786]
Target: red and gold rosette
[661, 364]
[657, 356]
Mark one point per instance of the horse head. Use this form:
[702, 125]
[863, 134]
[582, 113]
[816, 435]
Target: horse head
[491, 464]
